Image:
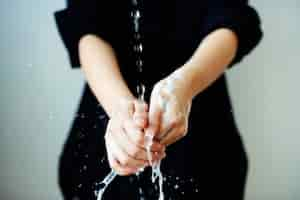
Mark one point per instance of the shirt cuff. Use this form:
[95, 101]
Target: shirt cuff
[243, 21]
[74, 22]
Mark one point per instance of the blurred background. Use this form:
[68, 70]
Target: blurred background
[40, 93]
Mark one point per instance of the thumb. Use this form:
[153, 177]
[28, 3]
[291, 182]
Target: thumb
[155, 117]
[140, 115]
[127, 108]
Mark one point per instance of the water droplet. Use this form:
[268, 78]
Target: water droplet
[103, 185]
[138, 48]
[137, 36]
[102, 160]
[139, 63]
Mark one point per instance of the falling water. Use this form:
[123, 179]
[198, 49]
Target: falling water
[156, 173]
[106, 181]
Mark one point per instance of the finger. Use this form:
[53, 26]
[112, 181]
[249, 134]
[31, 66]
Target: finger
[155, 117]
[132, 149]
[134, 133]
[140, 106]
[140, 115]
[159, 157]
[141, 120]
[137, 137]
[157, 147]
[121, 154]
[127, 108]
[114, 163]
[173, 124]
[117, 167]
[138, 151]
[172, 137]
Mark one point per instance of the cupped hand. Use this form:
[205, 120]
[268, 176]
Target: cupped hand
[125, 138]
[169, 110]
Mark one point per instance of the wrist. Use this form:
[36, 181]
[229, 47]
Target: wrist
[122, 102]
[183, 81]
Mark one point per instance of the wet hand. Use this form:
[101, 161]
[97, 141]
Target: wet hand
[125, 138]
[169, 110]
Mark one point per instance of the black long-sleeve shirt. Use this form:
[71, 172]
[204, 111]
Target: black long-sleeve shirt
[212, 153]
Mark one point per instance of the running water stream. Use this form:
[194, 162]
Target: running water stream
[138, 48]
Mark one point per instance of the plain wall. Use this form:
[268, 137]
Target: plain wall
[40, 93]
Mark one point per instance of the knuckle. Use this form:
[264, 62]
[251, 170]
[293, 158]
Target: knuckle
[183, 131]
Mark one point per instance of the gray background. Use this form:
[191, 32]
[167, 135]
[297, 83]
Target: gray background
[39, 94]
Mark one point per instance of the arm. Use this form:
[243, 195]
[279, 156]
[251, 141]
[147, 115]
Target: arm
[91, 40]
[231, 29]
[169, 123]
[124, 139]
[209, 61]
[102, 72]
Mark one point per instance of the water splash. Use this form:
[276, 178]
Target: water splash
[156, 172]
[103, 185]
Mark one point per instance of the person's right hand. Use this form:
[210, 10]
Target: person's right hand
[125, 138]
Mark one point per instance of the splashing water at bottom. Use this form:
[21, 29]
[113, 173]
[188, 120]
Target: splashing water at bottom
[103, 185]
[156, 172]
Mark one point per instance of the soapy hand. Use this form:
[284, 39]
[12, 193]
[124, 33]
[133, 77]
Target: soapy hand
[169, 110]
[125, 138]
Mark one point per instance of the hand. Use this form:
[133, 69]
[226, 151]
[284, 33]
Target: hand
[125, 138]
[169, 110]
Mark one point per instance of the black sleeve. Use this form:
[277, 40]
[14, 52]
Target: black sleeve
[238, 16]
[82, 17]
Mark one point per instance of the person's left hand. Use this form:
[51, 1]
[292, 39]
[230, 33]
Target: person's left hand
[169, 110]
